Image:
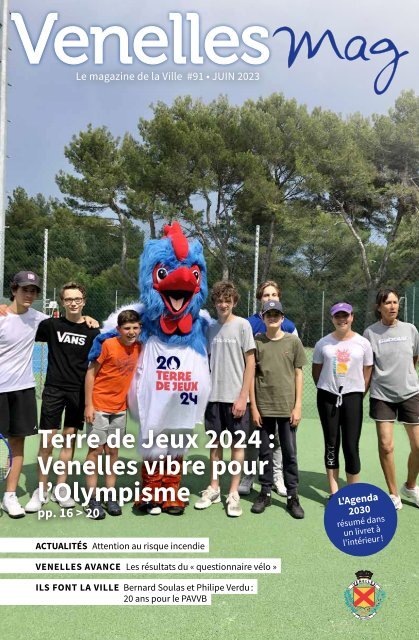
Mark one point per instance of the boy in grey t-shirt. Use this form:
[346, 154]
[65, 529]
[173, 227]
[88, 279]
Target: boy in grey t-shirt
[232, 362]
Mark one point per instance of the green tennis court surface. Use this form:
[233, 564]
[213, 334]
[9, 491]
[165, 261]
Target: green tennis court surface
[306, 601]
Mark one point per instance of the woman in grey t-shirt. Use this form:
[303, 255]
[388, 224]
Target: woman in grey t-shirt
[394, 390]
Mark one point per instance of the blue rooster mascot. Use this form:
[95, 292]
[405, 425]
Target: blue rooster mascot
[171, 389]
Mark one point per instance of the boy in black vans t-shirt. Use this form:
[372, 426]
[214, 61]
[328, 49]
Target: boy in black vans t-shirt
[69, 340]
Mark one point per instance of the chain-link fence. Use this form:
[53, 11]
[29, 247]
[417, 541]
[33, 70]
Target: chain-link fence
[92, 256]
[411, 304]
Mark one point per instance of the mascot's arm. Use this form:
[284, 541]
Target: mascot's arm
[111, 322]
[109, 329]
[206, 318]
[96, 348]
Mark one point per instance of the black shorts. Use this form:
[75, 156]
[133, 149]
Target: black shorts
[406, 411]
[219, 418]
[18, 413]
[55, 401]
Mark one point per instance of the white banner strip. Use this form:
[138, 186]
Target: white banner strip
[120, 592]
[102, 545]
[140, 565]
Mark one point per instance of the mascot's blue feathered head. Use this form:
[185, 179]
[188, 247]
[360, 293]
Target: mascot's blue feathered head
[173, 285]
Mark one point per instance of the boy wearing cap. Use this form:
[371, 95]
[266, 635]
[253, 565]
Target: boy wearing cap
[267, 290]
[17, 383]
[276, 402]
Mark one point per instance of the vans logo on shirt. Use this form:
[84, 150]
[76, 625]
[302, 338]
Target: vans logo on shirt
[395, 339]
[71, 338]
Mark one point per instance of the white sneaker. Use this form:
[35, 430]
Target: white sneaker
[209, 496]
[153, 510]
[37, 501]
[12, 506]
[396, 501]
[411, 493]
[246, 485]
[233, 505]
[280, 487]
[58, 495]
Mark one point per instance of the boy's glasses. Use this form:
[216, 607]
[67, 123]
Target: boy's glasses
[75, 300]
[272, 314]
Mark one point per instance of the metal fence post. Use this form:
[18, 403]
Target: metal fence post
[44, 351]
[256, 271]
[3, 137]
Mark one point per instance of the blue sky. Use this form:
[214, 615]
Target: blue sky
[47, 104]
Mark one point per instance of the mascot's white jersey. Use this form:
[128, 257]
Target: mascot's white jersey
[170, 390]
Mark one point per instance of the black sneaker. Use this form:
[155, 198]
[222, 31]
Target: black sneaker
[94, 510]
[262, 501]
[113, 508]
[294, 507]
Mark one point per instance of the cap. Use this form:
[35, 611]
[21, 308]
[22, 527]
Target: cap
[26, 278]
[272, 305]
[340, 306]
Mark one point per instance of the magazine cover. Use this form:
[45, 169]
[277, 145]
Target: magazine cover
[215, 204]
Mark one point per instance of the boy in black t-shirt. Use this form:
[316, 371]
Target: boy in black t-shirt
[69, 340]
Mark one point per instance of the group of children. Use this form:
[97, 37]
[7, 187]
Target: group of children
[265, 369]
[256, 368]
[96, 394]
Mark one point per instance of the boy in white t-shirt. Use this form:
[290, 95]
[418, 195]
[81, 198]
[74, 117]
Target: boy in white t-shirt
[17, 383]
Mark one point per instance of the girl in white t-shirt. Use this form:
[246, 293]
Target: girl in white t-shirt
[342, 364]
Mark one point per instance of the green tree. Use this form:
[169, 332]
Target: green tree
[198, 152]
[81, 248]
[143, 194]
[370, 176]
[96, 156]
[26, 219]
[278, 133]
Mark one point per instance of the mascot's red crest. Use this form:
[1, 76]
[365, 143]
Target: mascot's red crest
[179, 240]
